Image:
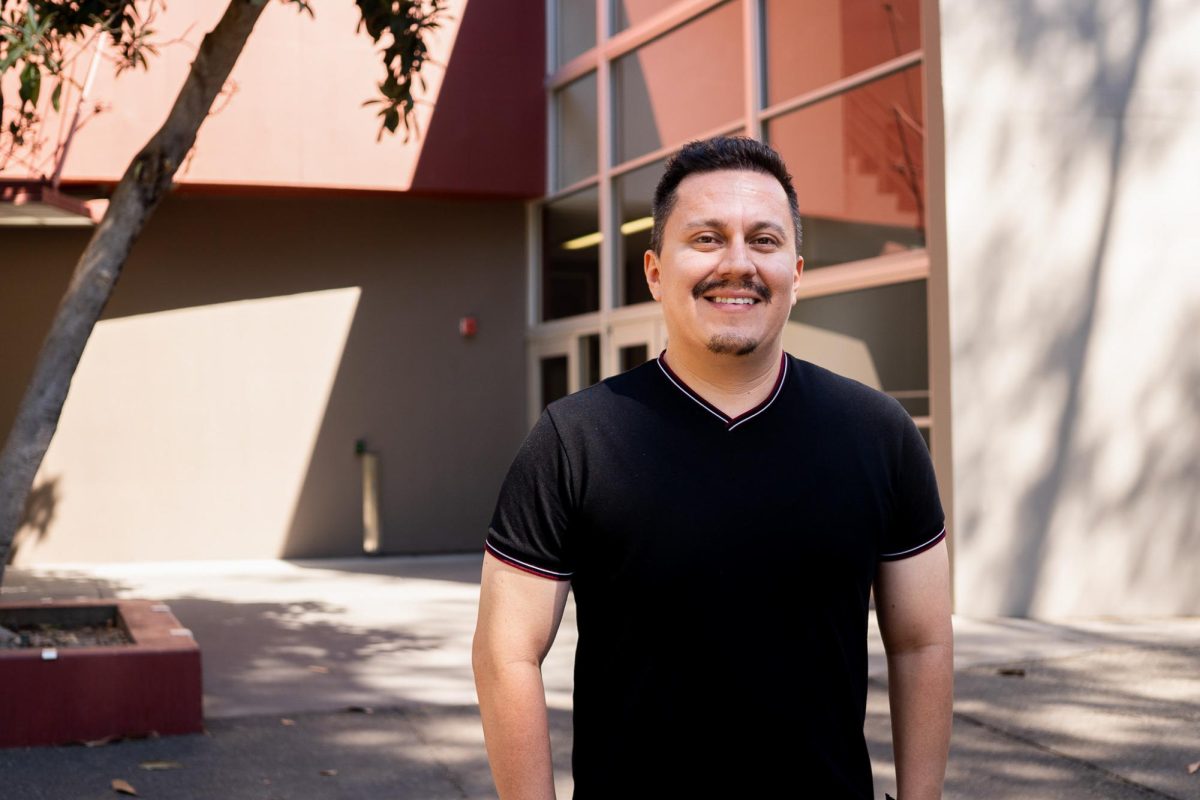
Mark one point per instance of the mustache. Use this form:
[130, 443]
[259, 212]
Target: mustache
[761, 290]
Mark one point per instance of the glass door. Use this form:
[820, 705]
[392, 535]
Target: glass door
[561, 365]
[634, 342]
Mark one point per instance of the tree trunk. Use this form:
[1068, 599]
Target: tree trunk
[138, 193]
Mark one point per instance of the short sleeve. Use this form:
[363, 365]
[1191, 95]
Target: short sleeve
[530, 526]
[917, 520]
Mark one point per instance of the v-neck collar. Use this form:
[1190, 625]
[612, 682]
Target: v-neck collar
[729, 422]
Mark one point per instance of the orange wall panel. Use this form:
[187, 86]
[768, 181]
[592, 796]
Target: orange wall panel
[293, 115]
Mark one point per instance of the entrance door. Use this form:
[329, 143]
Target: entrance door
[561, 365]
[568, 361]
[635, 342]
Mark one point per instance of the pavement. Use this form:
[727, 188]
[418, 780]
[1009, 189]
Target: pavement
[1080, 708]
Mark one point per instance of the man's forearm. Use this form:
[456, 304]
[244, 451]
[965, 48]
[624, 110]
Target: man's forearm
[512, 703]
[921, 696]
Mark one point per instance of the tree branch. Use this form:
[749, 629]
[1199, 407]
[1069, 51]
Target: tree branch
[141, 188]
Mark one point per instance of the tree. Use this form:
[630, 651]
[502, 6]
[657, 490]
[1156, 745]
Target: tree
[38, 37]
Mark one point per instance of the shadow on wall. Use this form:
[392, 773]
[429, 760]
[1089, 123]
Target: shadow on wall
[1056, 359]
[39, 515]
[1114, 80]
[404, 379]
[493, 83]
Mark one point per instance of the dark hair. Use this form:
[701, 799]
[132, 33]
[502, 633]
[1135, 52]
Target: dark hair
[710, 155]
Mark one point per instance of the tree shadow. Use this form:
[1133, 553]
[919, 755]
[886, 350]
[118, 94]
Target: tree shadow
[1036, 353]
[416, 732]
[35, 523]
[1116, 721]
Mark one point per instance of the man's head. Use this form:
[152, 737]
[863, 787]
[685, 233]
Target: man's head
[710, 155]
[724, 258]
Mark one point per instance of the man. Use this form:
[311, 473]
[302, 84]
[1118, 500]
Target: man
[721, 513]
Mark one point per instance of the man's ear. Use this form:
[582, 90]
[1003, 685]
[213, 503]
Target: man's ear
[653, 272]
[796, 277]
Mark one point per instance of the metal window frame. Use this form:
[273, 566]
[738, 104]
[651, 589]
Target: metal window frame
[756, 114]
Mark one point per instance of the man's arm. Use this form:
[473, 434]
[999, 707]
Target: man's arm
[519, 614]
[912, 602]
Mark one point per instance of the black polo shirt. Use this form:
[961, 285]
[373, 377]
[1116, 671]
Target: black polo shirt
[721, 570]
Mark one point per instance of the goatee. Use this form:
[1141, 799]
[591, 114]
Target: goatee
[732, 344]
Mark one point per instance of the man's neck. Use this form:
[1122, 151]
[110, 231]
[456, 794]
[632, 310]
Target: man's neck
[734, 384]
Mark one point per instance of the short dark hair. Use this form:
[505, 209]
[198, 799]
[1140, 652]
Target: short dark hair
[710, 155]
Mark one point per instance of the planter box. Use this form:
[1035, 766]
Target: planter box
[79, 694]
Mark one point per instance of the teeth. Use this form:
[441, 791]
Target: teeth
[741, 301]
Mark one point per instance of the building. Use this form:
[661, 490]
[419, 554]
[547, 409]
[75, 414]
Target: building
[997, 204]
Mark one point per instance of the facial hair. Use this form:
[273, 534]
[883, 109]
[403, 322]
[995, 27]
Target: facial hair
[708, 284]
[725, 343]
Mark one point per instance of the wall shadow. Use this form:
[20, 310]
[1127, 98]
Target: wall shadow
[1060, 449]
[493, 83]
[1109, 97]
[407, 382]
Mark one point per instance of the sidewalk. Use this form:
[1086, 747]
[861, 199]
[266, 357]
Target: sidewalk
[1103, 709]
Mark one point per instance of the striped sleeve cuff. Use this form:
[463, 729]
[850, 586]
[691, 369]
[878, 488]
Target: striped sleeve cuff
[524, 564]
[912, 551]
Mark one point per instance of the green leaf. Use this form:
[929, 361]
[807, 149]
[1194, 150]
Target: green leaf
[56, 97]
[31, 84]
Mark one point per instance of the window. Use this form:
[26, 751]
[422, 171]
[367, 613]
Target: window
[878, 336]
[837, 89]
[575, 110]
[554, 379]
[810, 43]
[571, 255]
[634, 193]
[576, 29]
[629, 13]
[680, 85]
[857, 160]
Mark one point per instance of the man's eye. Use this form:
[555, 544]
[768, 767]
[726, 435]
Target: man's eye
[706, 238]
[766, 240]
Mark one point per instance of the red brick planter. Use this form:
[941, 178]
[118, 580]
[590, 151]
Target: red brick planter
[88, 693]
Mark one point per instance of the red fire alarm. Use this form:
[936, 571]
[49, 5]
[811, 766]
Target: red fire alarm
[468, 326]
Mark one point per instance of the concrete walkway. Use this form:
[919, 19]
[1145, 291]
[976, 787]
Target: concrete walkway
[1079, 709]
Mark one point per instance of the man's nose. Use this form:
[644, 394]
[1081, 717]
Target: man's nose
[736, 259]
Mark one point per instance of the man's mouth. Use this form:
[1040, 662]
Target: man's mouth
[732, 293]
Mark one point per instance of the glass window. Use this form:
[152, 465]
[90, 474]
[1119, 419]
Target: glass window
[571, 255]
[576, 32]
[810, 43]
[635, 12]
[589, 359]
[878, 336]
[858, 164]
[554, 379]
[634, 192]
[633, 355]
[575, 111]
[680, 85]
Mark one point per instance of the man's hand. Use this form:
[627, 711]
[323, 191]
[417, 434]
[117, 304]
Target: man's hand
[912, 602]
[519, 614]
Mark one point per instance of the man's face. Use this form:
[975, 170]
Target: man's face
[729, 270]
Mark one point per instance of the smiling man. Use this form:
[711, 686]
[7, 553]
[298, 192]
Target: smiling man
[721, 514]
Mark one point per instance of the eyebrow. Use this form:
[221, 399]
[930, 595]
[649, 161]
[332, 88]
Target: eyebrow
[713, 222]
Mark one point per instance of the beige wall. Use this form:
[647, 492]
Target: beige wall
[249, 343]
[1072, 165]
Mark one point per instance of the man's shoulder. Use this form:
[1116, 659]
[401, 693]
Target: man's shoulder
[607, 397]
[831, 390]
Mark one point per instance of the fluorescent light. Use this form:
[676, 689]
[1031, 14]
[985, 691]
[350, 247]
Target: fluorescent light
[637, 225]
[593, 239]
[587, 240]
